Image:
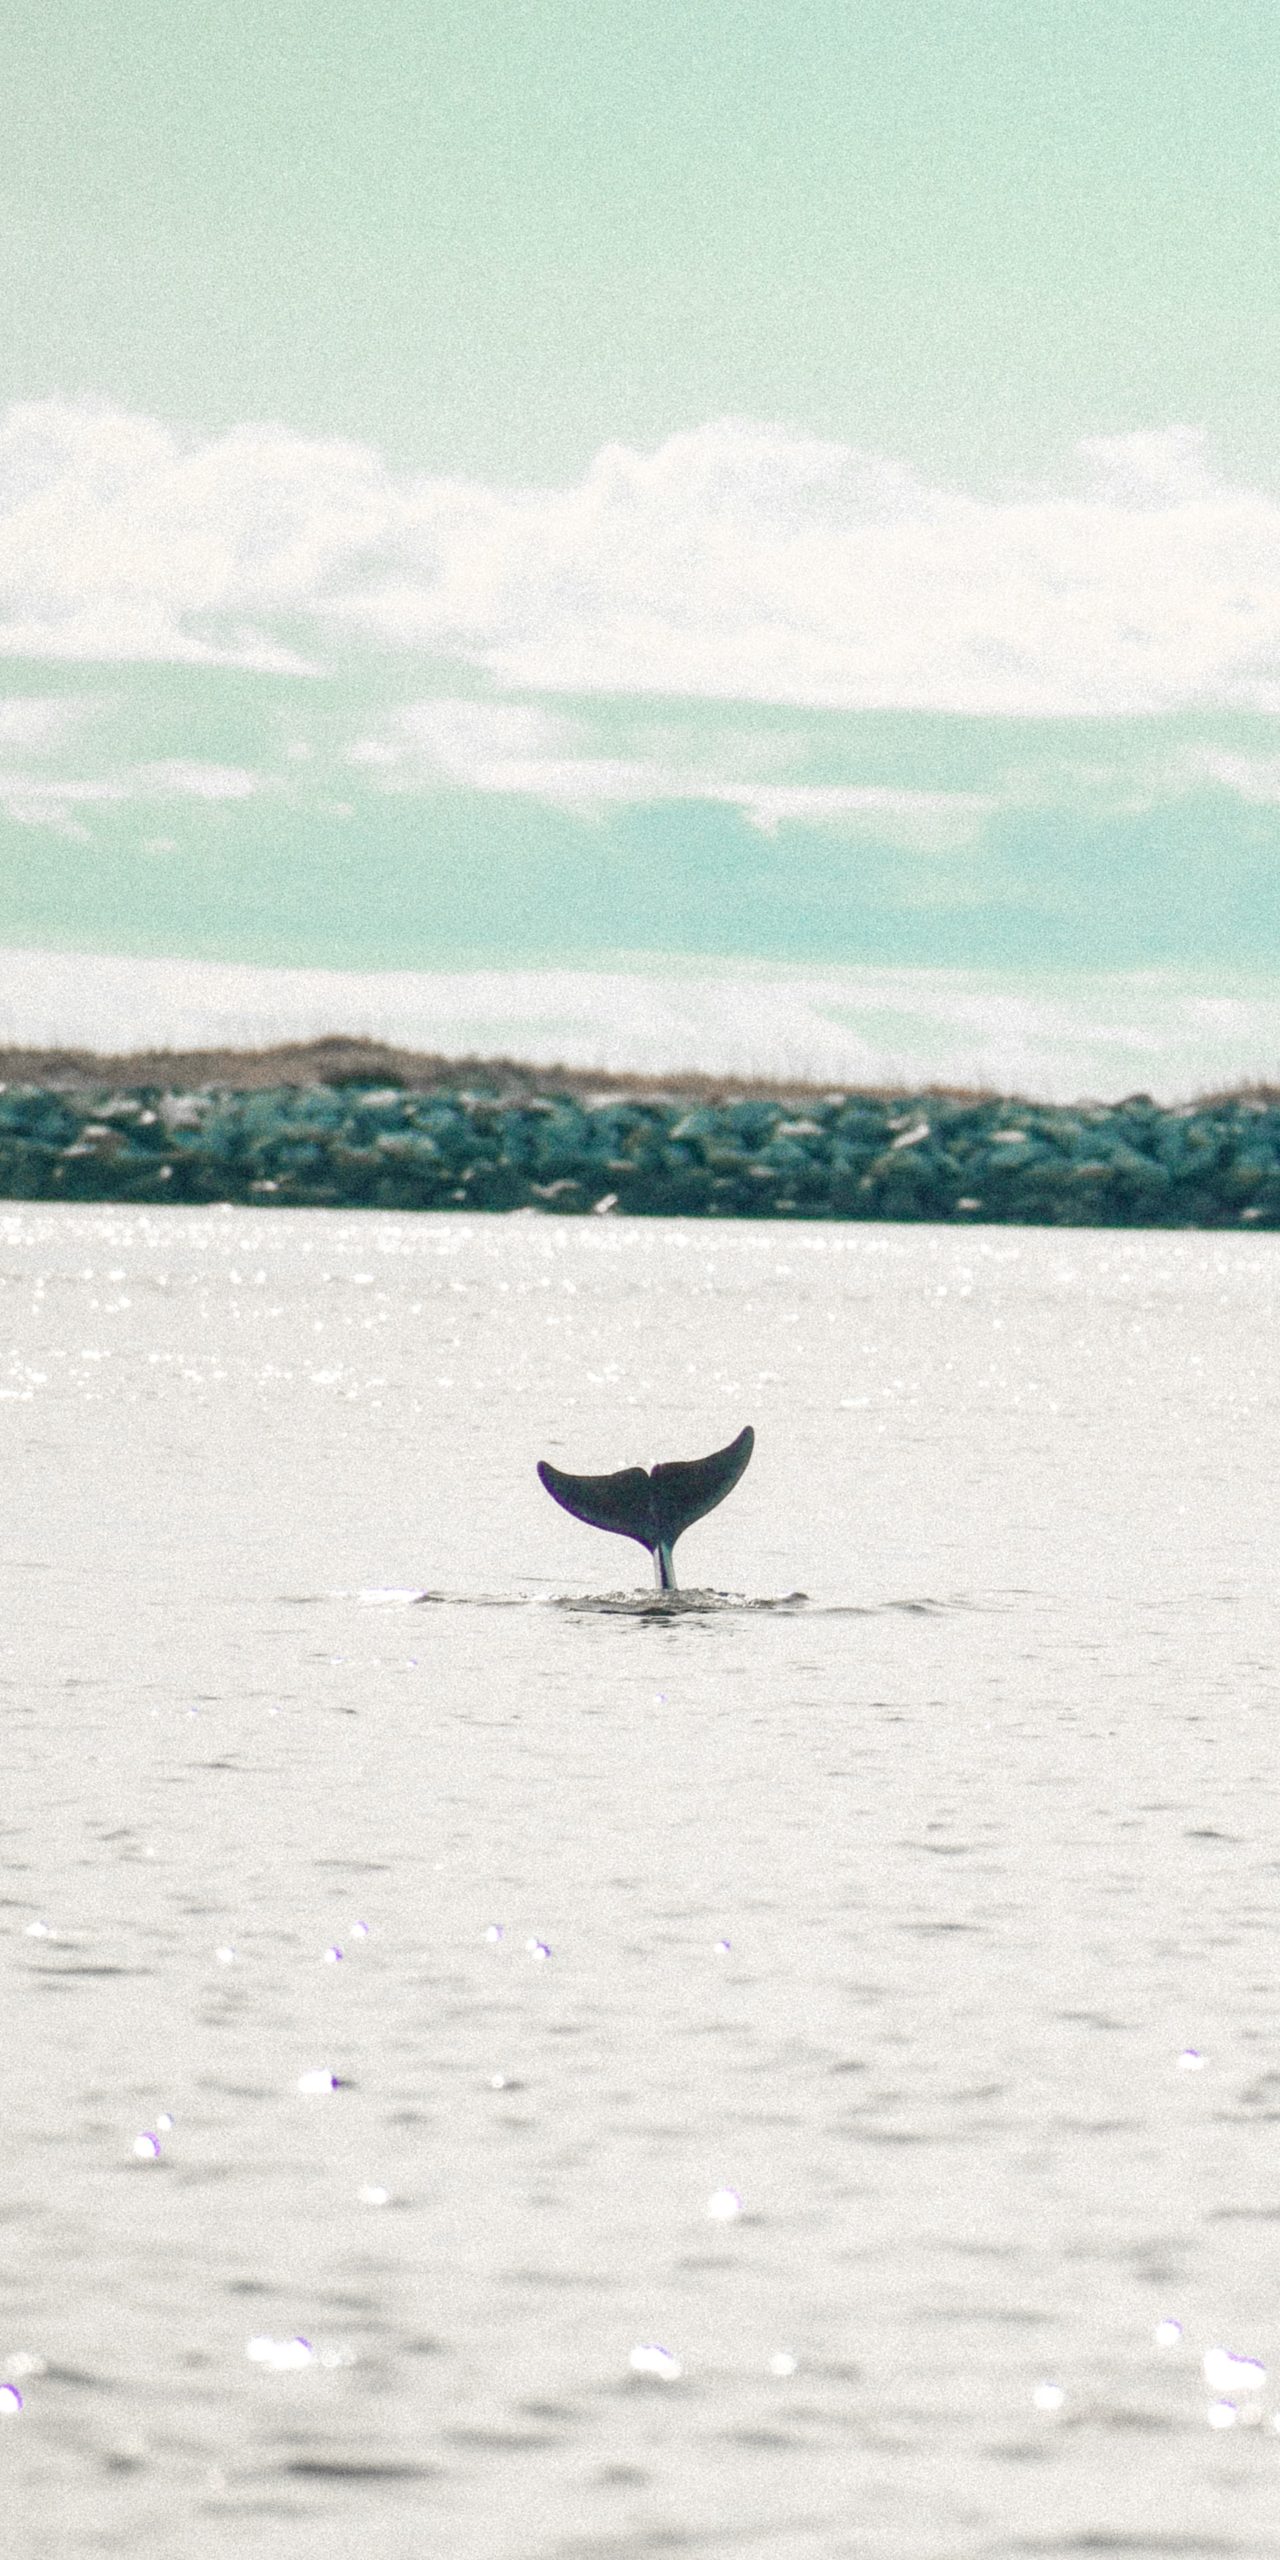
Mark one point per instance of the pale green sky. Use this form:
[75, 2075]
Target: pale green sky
[491, 234]
[683, 666]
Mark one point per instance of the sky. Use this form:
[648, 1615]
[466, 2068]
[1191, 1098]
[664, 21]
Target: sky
[530, 481]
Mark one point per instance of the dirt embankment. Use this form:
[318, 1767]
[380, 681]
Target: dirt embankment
[338, 1061]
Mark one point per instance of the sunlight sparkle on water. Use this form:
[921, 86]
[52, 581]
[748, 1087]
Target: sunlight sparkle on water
[146, 2146]
[1168, 2333]
[657, 2362]
[280, 2355]
[1226, 2372]
[724, 2206]
[1190, 2060]
[316, 2084]
[1048, 2395]
[10, 2400]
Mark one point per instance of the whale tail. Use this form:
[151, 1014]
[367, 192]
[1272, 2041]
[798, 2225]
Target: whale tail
[654, 1507]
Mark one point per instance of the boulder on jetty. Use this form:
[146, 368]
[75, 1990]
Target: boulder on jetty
[345, 1125]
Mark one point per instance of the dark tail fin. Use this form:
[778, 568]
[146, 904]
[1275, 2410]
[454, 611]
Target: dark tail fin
[623, 1502]
[654, 1509]
[686, 1489]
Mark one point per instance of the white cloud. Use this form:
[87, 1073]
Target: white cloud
[116, 543]
[522, 749]
[40, 723]
[34, 800]
[180, 778]
[31, 801]
[1255, 778]
[736, 562]
[919, 821]
[477, 743]
[1145, 778]
[1168, 1032]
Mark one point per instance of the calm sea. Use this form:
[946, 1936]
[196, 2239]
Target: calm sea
[495, 2070]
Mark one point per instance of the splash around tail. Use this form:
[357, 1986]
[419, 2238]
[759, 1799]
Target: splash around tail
[656, 1505]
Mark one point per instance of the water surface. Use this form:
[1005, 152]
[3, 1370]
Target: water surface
[930, 1918]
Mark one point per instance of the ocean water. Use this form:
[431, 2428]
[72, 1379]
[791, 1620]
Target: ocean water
[497, 2067]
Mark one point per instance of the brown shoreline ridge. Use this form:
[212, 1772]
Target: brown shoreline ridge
[337, 1059]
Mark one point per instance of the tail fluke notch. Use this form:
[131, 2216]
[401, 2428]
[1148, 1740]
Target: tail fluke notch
[656, 1507]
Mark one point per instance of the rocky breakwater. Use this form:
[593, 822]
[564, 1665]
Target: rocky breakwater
[973, 1159]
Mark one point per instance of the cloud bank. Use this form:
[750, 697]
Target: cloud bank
[1170, 1033]
[738, 562]
[749, 694]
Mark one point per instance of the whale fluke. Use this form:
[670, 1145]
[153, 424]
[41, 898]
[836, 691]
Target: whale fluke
[656, 1507]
